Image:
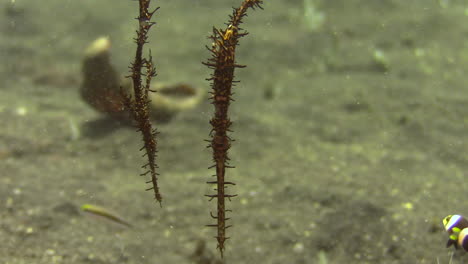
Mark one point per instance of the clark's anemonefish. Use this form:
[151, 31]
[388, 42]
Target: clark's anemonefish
[457, 228]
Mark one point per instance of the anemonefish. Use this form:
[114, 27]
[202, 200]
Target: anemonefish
[457, 228]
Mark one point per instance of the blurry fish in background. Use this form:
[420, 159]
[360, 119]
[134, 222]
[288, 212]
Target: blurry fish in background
[457, 228]
[103, 88]
[104, 213]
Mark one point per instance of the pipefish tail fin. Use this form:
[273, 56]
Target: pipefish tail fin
[104, 213]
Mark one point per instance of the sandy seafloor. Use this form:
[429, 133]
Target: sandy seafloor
[351, 137]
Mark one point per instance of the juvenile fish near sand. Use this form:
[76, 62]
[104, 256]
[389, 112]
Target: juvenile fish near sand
[102, 212]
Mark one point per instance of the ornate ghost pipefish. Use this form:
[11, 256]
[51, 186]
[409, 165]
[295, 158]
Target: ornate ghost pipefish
[222, 61]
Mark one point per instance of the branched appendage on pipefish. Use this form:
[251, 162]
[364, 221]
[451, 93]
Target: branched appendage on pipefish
[139, 104]
[222, 61]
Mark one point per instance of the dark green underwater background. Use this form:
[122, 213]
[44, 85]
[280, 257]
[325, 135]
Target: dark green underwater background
[350, 124]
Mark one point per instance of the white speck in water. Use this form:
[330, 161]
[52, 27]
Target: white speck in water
[21, 111]
[298, 247]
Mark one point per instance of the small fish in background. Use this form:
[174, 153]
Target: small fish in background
[104, 213]
[457, 228]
